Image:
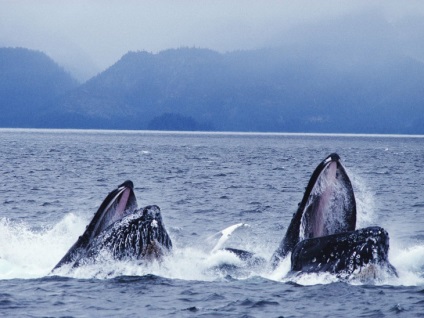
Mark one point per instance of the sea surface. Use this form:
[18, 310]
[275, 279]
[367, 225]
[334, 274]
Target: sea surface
[52, 181]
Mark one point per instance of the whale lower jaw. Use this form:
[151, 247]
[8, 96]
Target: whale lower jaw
[344, 254]
[329, 205]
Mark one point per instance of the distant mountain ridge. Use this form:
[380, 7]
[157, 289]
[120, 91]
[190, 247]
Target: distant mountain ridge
[275, 89]
[29, 82]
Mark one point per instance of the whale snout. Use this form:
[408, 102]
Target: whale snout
[152, 212]
[378, 240]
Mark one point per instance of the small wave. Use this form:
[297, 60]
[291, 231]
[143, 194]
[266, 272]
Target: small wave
[372, 172]
[311, 279]
[418, 205]
[192, 309]
[256, 304]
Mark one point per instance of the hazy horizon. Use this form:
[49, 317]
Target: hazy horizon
[87, 37]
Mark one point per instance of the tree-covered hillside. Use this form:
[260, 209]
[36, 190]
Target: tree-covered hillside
[276, 89]
[29, 82]
[262, 90]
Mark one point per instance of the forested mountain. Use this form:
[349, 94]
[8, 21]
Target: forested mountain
[274, 89]
[263, 90]
[29, 82]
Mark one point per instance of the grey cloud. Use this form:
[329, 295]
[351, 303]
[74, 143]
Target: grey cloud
[88, 36]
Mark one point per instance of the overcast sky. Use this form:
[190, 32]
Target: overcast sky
[89, 36]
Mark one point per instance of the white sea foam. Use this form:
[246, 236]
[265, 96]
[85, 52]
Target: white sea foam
[409, 262]
[28, 253]
[281, 271]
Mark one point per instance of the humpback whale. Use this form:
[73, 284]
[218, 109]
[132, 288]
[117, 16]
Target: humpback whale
[121, 229]
[322, 235]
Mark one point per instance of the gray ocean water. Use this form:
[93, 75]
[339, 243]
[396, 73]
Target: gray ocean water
[53, 181]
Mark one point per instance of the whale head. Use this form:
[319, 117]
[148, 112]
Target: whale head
[140, 235]
[121, 229]
[328, 207]
[322, 235]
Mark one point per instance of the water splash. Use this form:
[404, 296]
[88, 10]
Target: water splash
[365, 205]
[409, 262]
[28, 253]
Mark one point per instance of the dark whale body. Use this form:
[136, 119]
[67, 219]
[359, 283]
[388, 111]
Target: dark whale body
[322, 235]
[344, 253]
[121, 229]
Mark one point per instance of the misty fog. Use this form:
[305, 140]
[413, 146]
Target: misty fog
[86, 37]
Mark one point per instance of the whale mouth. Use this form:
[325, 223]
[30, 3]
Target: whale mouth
[328, 206]
[122, 230]
[119, 203]
[322, 236]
